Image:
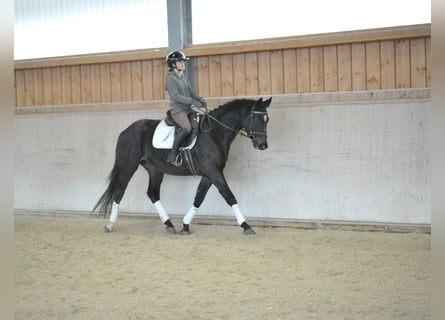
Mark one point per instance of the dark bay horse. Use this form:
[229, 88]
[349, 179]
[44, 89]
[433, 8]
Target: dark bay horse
[219, 128]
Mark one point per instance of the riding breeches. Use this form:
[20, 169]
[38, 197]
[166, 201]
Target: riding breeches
[181, 118]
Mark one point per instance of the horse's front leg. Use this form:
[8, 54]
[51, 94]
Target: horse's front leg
[201, 192]
[220, 182]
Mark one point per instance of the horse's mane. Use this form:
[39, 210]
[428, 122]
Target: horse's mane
[237, 103]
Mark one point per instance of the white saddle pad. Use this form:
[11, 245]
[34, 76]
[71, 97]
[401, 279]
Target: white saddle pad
[164, 136]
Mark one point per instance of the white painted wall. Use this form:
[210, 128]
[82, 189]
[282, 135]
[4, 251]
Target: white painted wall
[341, 156]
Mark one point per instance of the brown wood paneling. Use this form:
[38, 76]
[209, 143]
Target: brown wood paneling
[29, 87]
[38, 87]
[215, 76]
[147, 80]
[387, 58]
[344, 67]
[96, 90]
[264, 86]
[20, 88]
[330, 66]
[428, 61]
[227, 75]
[202, 85]
[372, 65]
[47, 86]
[126, 81]
[303, 71]
[159, 92]
[136, 81]
[290, 70]
[67, 97]
[316, 69]
[277, 72]
[239, 74]
[252, 74]
[115, 79]
[105, 82]
[358, 66]
[76, 88]
[388, 66]
[403, 68]
[418, 63]
[85, 82]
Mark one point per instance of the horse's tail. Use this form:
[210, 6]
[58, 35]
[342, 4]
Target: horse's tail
[105, 202]
[127, 158]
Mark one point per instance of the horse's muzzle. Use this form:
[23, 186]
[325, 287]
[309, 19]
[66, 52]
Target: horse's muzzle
[260, 144]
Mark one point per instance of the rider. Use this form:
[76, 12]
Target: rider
[182, 97]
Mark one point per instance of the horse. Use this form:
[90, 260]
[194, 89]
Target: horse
[207, 159]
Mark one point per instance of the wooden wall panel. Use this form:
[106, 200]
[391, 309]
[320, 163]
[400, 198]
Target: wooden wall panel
[428, 61]
[316, 69]
[403, 68]
[20, 88]
[372, 65]
[115, 79]
[264, 86]
[105, 82]
[358, 66]
[239, 74]
[282, 65]
[38, 87]
[277, 72]
[76, 89]
[215, 76]
[387, 64]
[303, 71]
[147, 80]
[85, 82]
[251, 74]
[330, 68]
[290, 70]
[136, 81]
[159, 92]
[344, 77]
[418, 63]
[227, 75]
[66, 85]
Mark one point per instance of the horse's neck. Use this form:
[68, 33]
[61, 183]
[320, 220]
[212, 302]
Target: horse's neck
[226, 133]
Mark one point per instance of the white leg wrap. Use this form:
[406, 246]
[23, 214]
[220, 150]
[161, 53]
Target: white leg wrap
[189, 215]
[239, 216]
[161, 211]
[114, 212]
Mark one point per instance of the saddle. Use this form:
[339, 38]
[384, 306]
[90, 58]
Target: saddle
[165, 132]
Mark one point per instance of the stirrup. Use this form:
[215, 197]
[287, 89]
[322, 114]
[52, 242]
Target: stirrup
[177, 162]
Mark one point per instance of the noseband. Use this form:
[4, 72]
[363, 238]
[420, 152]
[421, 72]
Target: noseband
[251, 133]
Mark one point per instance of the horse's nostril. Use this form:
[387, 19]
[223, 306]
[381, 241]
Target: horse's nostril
[263, 146]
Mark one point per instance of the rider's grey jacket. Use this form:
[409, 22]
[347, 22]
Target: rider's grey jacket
[181, 93]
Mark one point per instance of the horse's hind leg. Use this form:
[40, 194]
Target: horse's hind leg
[153, 193]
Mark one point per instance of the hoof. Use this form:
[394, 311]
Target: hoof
[249, 231]
[108, 228]
[185, 232]
[171, 230]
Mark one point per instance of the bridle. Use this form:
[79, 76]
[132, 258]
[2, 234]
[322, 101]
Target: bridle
[251, 134]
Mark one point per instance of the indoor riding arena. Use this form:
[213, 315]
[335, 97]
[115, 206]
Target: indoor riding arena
[340, 199]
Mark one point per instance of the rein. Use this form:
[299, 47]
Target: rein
[250, 134]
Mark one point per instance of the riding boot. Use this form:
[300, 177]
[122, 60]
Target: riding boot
[179, 140]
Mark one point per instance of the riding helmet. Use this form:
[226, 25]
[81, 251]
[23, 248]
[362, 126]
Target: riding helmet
[174, 56]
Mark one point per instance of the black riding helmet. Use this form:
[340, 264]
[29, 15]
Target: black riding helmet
[175, 56]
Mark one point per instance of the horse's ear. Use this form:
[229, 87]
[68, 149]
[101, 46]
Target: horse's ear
[267, 102]
[260, 100]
